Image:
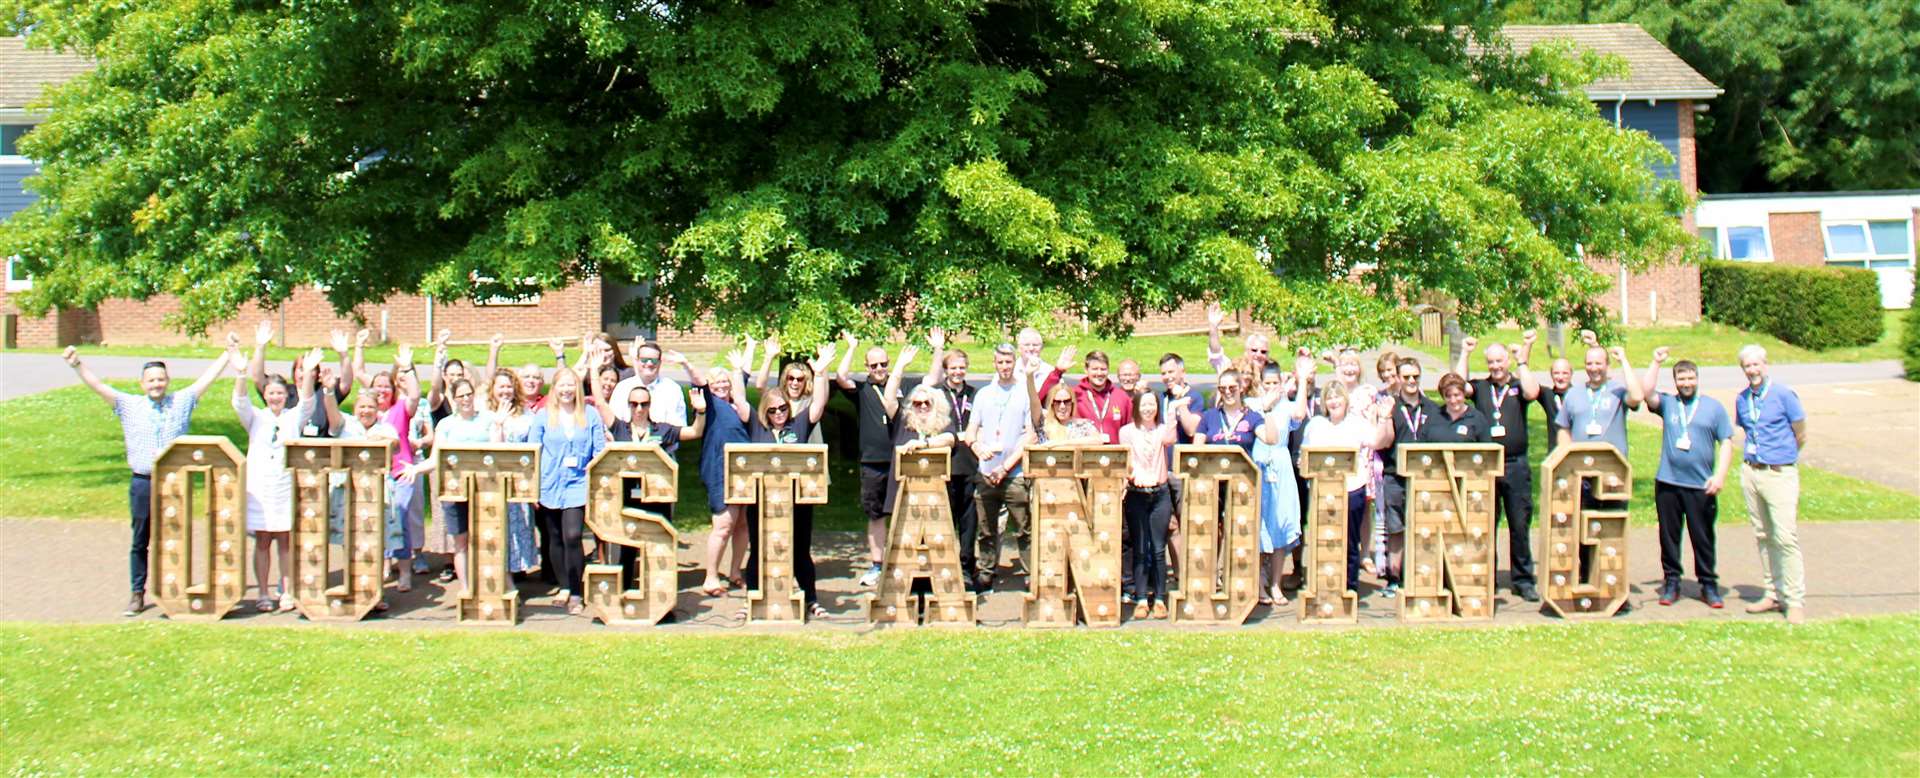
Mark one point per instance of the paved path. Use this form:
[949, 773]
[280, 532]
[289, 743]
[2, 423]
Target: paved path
[74, 571]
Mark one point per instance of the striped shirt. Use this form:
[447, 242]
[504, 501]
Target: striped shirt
[150, 426]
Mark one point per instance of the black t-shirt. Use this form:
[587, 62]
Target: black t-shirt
[903, 433]
[1513, 413]
[667, 435]
[1550, 403]
[876, 426]
[960, 401]
[1408, 427]
[317, 421]
[1471, 427]
[796, 431]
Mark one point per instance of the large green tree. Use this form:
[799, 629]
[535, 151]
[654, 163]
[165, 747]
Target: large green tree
[806, 166]
[1821, 94]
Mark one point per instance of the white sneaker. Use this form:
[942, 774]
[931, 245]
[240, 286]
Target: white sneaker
[872, 576]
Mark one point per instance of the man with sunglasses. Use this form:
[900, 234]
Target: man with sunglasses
[876, 402]
[1257, 346]
[669, 403]
[1411, 410]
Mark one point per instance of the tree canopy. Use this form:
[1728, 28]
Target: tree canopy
[1821, 95]
[802, 167]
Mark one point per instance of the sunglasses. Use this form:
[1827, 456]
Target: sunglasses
[777, 409]
[639, 403]
[796, 377]
[1256, 351]
[922, 404]
[649, 360]
[1062, 402]
[875, 365]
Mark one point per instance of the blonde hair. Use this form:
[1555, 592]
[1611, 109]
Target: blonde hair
[937, 417]
[1054, 428]
[579, 397]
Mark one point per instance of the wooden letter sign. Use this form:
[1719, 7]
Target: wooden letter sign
[361, 469]
[648, 473]
[1585, 549]
[1449, 559]
[1077, 494]
[776, 477]
[1326, 597]
[199, 528]
[487, 476]
[1222, 487]
[921, 545]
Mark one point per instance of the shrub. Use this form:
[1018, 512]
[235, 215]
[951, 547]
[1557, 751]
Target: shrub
[1814, 308]
[1910, 339]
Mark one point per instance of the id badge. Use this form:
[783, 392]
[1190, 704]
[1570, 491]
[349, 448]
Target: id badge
[570, 463]
[311, 430]
[1682, 443]
[636, 492]
[1498, 431]
[1460, 430]
[1594, 429]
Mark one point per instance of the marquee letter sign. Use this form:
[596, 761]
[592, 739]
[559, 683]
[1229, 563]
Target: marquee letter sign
[487, 476]
[360, 467]
[1326, 598]
[1077, 494]
[776, 477]
[199, 489]
[1449, 558]
[921, 545]
[645, 472]
[1222, 485]
[1585, 549]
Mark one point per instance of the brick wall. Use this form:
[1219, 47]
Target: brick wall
[1688, 156]
[1666, 295]
[1796, 238]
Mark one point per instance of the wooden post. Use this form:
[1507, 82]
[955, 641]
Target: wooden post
[1219, 480]
[487, 476]
[1449, 539]
[922, 544]
[1326, 598]
[1077, 497]
[221, 514]
[775, 477]
[644, 471]
[361, 468]
[1585, 549]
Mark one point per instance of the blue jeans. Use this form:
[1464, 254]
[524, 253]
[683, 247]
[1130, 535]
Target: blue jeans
[140, 505]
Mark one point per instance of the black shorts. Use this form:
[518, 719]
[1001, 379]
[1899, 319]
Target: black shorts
[1393, 505]
[873, 490]
[455, 515]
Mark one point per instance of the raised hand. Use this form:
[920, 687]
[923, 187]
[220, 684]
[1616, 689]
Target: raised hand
[907, 353]
[233, 341]
[697, 401]
[1587, 337]
[263, 334]
[673, 357]
[445, 336]
[338, 338]
[1214, 315]
[937, 338]
[1466, 345]
[1303, 366]
[1660, 355]
[1065, 360]
[1527, 338]
[403, 355]
[360, 338]
[559, 346]
[823, 356]
[72, 356]
[773, 346]
[1619, 354]
[737, 359]
[494, 343]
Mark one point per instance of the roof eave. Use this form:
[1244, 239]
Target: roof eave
[1655, 94]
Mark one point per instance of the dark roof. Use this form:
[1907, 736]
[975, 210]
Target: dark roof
[25, 73]
[1653, 72]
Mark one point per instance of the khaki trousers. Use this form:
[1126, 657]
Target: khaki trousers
[1773, 502]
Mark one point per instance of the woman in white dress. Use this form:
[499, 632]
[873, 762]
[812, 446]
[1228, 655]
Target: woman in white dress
[269, 485]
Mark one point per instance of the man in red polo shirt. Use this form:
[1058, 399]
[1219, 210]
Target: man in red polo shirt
[1097, 398]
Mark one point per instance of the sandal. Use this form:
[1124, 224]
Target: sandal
[575, 606]
[816, 611]
[740, 616]
[264, 605]
[287, 604]
[446, 575]
[716, 589]
[382, 606]
[736, 582]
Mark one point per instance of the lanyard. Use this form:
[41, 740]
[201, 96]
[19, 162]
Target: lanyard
[1687, 413]
[960, 412]
[1593, 408]
[1500, 395]
[1754, 399]
[1100, 411]
[1415, 420]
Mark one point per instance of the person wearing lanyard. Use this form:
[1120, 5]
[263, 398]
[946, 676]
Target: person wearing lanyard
[1597, 410]
[569, 435]
[1000, 428]
[876, 403]
[1409, 413]
[951, 382]
[149, 421]
[1177, 397]
[1096, 398]
[1685, 495]
[1560, 377]
[1504, 402]
[1776, 429]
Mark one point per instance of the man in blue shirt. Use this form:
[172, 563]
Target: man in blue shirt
[1776, 429]
[149, 422]
[1695, 449]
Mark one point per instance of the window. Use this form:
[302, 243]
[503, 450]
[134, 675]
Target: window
[1871, 244]
[17, 278]
[1739, 243]
[10, 135]
[526, 298]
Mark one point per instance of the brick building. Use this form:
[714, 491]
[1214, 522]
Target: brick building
[1658, 97]
[1872, 230]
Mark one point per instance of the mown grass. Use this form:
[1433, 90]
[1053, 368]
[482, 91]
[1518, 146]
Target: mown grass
[1709, 343]
[61, 456]
[1721, 697]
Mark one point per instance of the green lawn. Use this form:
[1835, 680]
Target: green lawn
[1720, 696]
[62, 456]
[1711, 343]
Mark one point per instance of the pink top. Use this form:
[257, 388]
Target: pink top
[397, 417]
[1148, 448]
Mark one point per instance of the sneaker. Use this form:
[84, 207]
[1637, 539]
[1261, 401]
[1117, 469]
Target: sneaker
[1527, 592]
[872, 577]
[1392, 591]
[1766, 604]
[1711, 594]
[136, 604]
[1126, 598]
[420, 566]
[1669, 591]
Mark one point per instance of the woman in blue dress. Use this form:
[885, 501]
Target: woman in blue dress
[1279, 489]
[727, 414]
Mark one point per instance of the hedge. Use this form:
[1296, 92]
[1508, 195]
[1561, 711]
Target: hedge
[1910, 339]
[1815, 308]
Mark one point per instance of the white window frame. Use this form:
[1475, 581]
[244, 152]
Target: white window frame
[503, 301]
[1723, 250]
[1867, 259]
[20, 285]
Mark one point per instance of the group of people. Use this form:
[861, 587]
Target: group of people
[617, 392]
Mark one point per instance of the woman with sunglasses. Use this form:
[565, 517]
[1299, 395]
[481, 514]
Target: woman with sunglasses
[1058, 426]
[803, 383]
[1230, 422]
[269, 484]
[777, 422]
[507, 408]
[634, 423]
